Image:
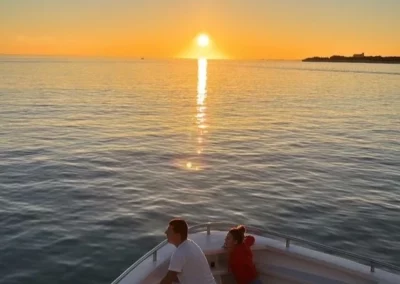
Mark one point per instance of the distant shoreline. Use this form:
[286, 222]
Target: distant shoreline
[356, 58]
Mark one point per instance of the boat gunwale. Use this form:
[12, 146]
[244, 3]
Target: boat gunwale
[219, 226]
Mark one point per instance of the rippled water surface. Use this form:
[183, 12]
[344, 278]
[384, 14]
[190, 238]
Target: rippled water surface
[97, 155]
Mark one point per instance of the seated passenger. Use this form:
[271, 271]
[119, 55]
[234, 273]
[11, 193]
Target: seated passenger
[240, 256]
[188, 263]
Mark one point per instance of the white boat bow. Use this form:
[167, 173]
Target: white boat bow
[280, 259]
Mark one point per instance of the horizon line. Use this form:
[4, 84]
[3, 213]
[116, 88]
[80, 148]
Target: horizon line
[140, 57]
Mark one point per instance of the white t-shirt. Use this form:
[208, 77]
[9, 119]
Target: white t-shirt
[191, 264]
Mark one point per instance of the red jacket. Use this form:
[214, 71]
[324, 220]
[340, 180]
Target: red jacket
[241, 262]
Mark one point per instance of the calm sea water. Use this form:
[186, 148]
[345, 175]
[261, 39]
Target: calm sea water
[97, 155]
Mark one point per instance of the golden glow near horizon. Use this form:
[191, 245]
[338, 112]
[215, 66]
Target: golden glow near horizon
[284, 29]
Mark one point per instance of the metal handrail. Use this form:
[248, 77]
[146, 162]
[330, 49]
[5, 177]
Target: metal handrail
[226, 225]
[365, 260]
[371, 262]
[153, 252]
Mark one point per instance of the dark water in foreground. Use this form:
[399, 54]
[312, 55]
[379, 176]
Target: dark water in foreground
[97, 155]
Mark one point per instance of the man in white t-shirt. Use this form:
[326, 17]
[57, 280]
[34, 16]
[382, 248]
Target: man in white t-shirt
[188, 263]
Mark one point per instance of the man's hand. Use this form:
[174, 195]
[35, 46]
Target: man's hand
[172, 276]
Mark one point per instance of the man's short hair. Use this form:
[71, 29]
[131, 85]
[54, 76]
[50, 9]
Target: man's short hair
[179, 226]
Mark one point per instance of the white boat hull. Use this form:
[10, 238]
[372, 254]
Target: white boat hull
[277, 263]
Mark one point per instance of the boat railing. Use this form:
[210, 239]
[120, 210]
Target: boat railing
[218, 226]
[152, 252]
[372, 263]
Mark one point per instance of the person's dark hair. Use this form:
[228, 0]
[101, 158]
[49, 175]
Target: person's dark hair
[238, 233]
[180, 227]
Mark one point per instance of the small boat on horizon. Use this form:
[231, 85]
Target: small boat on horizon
[277, 259]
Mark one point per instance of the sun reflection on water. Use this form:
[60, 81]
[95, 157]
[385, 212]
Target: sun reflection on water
[201, 110]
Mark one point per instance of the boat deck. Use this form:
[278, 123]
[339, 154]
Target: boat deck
[277, 261]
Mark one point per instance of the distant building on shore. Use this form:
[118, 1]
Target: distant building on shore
[356, 58]
[359, 55]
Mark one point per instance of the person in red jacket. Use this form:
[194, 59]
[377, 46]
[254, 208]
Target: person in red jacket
[240, 256]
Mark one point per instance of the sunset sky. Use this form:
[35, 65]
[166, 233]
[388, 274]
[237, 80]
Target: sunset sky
[271, 29]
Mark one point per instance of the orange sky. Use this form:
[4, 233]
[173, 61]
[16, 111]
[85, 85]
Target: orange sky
[284, 29]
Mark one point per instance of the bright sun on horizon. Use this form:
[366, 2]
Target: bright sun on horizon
[202, 45]
[203, 40]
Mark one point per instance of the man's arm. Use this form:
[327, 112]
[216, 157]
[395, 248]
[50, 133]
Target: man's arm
[172, 276]
[176, 264]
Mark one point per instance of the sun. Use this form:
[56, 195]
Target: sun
[203, 40]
